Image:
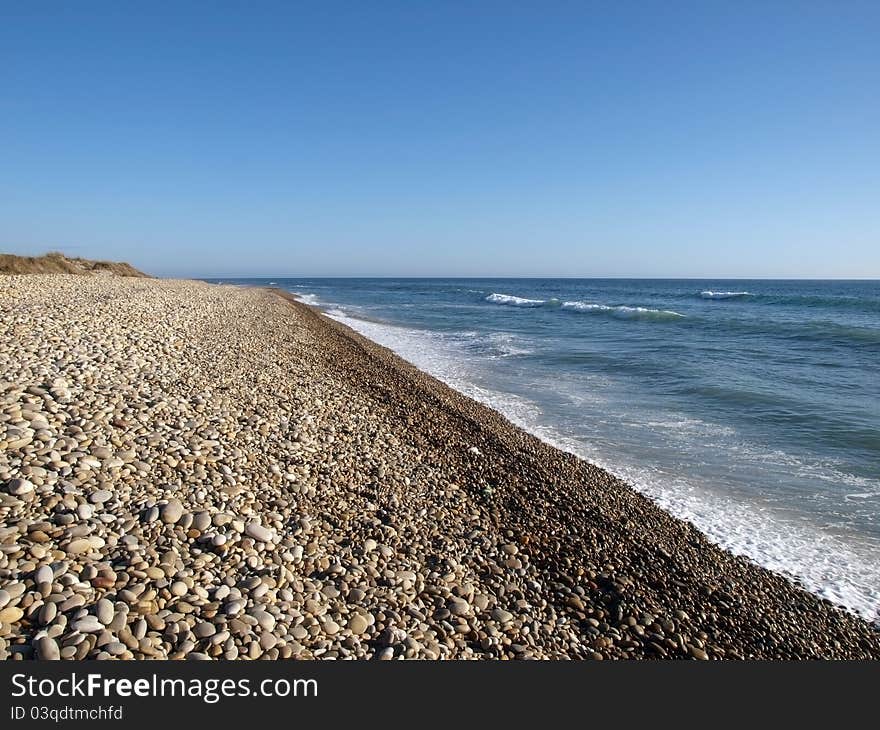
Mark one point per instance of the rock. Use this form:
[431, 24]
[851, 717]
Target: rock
[502, 616]
[15, 589]
[104, 611]
[171, 512]
[47, 613]
[47, 649]
[260, 533]
[358, 624]
[10, 615]
[458, 607]
[204, 629]
[100, 496]
[265, 619]
[88, 625]
[44, 574]
[19, 487]
[79, 546]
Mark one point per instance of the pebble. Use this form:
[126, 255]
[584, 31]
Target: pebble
[79, 546]
[358, 624]
[19, 487]
[88, 625]
[258, 532]
[204, 629]
[47, 649]
[265, 619]
[44, 574]
[502, 616]
[104, 611]
[10, 614]
[458, 607]
[171, 512]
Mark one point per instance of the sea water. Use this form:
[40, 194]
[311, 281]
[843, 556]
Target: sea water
[750, 408]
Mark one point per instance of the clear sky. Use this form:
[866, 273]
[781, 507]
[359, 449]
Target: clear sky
[445, 138]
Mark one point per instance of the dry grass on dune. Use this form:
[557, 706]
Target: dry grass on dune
[58, 263]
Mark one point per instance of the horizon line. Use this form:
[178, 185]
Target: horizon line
[524, 277]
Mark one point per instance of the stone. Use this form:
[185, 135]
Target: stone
[265, 619]
[204, 629]
[47, 613]
[502, 616]
[458, 607]
[104, 611]
[10, 615]
[44, 574]
[88, 625]
[79, 546]
[260, 533]
[171, 512]
[358, 624]
[47, 649]
[19, 487]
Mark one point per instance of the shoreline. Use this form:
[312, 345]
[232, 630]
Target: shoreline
[801, 553]
[491, 421]
[327, 498]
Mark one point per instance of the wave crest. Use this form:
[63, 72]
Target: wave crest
[709, 294]
[512, 301]
[623, 311]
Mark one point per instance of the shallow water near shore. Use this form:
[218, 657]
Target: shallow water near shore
[751, 408]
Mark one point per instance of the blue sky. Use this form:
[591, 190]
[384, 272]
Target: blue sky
[432, 139]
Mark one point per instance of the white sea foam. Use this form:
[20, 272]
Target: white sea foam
[505, 344]
[708, 294]
[513, 301]
[622, 311]
[310, 299]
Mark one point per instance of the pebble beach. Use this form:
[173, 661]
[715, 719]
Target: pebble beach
[196, 471]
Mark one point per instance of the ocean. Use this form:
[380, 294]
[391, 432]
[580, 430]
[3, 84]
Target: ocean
[749, 408]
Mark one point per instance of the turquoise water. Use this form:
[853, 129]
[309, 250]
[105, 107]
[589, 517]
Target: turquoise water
[751, 408]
